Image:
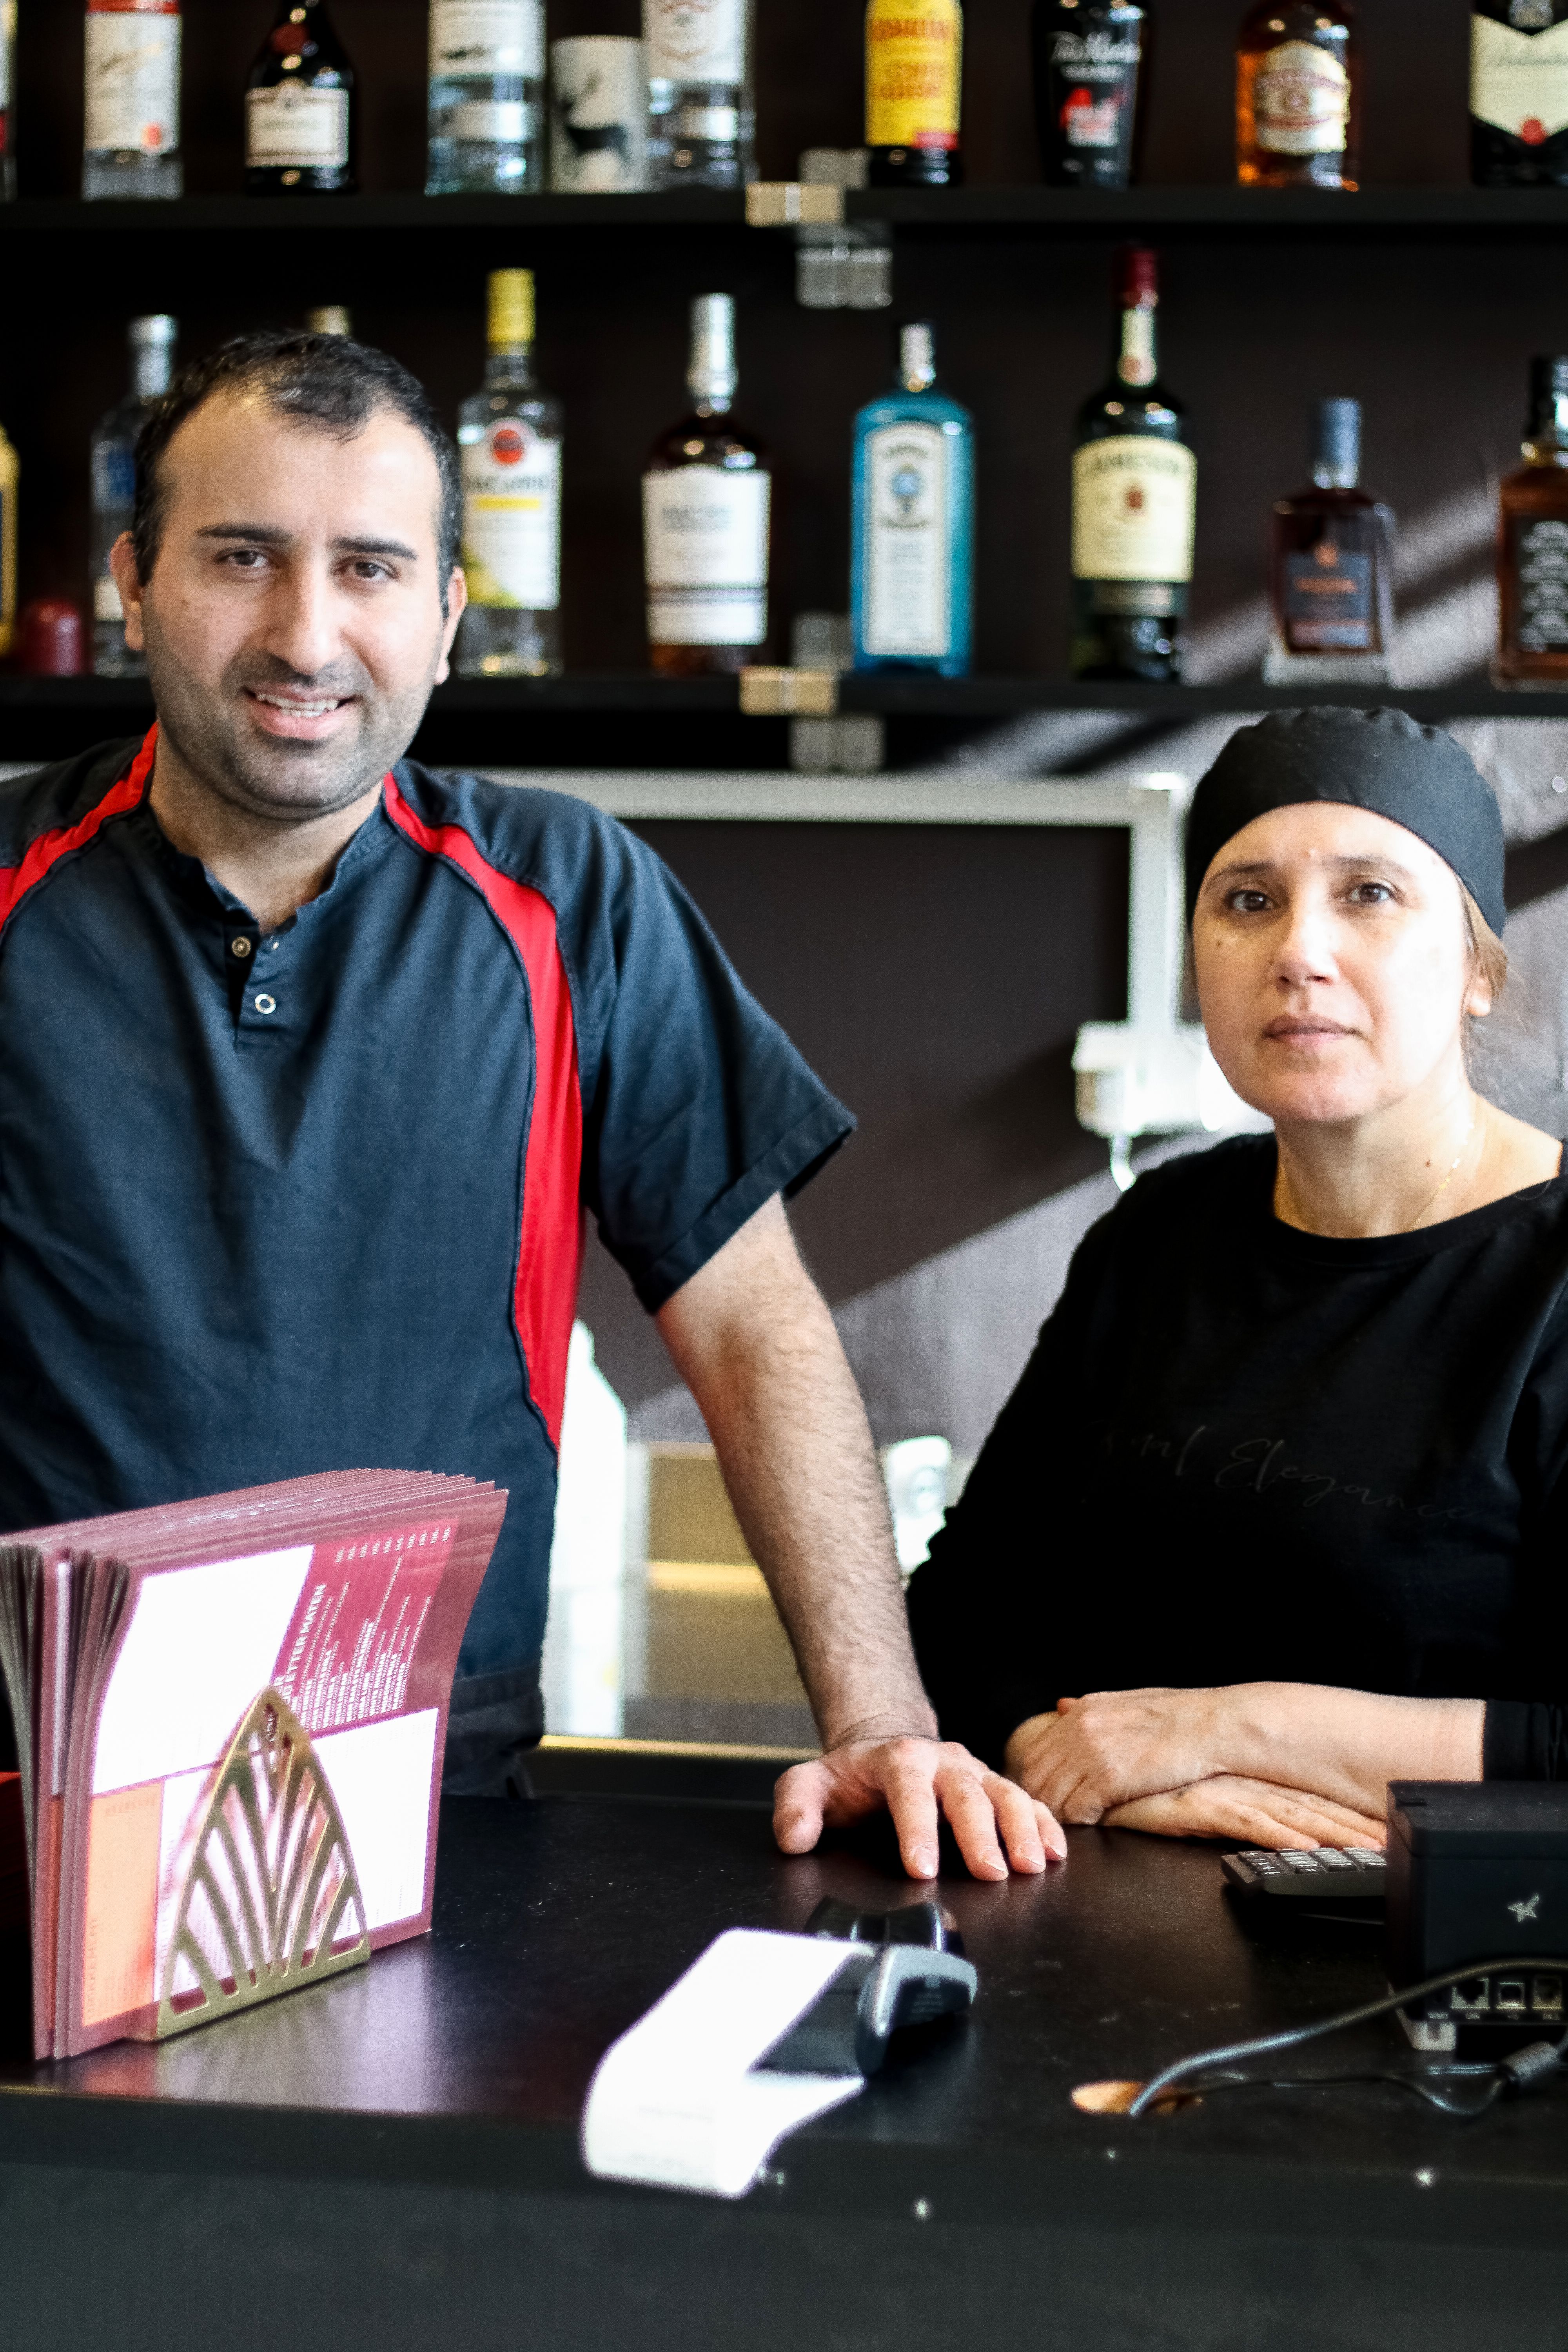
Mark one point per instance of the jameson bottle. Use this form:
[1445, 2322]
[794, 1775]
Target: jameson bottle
[131, 137]
[913, 522]
[1134, 486]
[707, 494]
[1331, 586]
[1089, 62]
[702, 118]
[1533, 542]
[914, 81]
[487, 98]
[1519, 93]
[113, 479]
[1298, 96]
[300, 132]
[509, 437]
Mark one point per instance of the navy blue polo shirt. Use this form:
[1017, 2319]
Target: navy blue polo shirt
[277, 1202]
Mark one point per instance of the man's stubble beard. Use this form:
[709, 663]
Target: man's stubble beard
[277, 781]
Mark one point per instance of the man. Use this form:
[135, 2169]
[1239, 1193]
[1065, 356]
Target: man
[309, 1060]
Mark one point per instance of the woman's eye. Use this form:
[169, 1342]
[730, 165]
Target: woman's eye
[1249, 902]
[1371, 893]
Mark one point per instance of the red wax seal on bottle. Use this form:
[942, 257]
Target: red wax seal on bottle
[48, 640]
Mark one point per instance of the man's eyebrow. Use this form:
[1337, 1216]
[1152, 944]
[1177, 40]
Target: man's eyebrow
[1350, 864]
[377, 547]
[260, 534]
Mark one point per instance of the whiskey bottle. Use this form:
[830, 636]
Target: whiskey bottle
[1331, 585]
[1533, 542]
[113, 483]
[1298, 95]
[913, 522]
[702, 118]
[706, 498]
[300, 131]
[1519, 93]
[130, 140]
[914, 81]
[509, 437]
[1133, 503]
[487, 98]
[1089, 61]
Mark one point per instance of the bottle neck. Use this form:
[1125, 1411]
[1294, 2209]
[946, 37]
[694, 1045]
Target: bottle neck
[1546, 435]
[509, 365]
[151, 366]
[1336, 473]
[1135, 360]
[712, 405]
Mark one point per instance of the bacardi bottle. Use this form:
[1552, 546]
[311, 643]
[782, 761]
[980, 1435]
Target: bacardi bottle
[706, 499]
[913, 522]
[1298, 96]
[1089, 60]
[702, 121]
[914, 81]
[130, 142]
[487, 98]
[1519, 93]
[1133, 503]
[509, 437]
[1331, 586]
[300, 127]
[1533, 542]
[113, 483]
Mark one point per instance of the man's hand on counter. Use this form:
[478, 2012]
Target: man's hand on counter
[918, 1779]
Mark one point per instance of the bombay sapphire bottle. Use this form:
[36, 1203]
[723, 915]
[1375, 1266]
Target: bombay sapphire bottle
[914, 529]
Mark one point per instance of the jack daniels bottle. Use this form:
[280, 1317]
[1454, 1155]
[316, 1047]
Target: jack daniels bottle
[1519, 93]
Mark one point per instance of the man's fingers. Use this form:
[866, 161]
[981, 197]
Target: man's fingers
[906, 1784]
[1028, 1831]
[972, 1817]
[799, 1796]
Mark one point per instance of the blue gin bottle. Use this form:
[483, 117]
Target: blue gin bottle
[910, 586]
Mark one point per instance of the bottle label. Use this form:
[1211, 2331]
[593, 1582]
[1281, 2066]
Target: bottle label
[696, 40]
[1518, 82]
[1539, 549]
[7, 35]
[907, 553]
[512, 518]
[1328, 602]
[705, 544]
[1134, 502]
[505, 121]
[914, 65]
[1301, 100]
[133, 83]
[471, 38]
[1099, 72]
[294, 127]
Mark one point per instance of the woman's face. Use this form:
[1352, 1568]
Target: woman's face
[1333, 963]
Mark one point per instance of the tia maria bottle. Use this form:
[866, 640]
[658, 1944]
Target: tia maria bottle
[300, 131]
[1519, 93]
[913, 522]
[1088, 64]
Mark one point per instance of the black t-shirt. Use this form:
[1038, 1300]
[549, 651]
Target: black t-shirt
[1242, 1453]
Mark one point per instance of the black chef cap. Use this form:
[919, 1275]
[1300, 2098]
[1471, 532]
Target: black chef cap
[1376, 759]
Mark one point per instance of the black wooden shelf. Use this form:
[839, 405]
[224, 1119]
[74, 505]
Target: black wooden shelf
[182, 216]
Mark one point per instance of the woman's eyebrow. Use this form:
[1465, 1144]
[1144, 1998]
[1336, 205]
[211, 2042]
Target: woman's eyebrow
[1346, 864]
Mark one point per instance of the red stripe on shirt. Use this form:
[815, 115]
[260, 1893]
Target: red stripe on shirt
[550, 1244]
[43, 855]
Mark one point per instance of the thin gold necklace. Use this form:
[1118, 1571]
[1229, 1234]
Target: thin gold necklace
[1447, 1180]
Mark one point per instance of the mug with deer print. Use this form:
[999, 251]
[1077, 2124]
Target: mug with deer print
[598, 115]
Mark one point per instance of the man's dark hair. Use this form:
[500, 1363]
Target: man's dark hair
[330, 384]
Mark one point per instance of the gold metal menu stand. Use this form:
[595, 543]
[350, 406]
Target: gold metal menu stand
[268, 1873]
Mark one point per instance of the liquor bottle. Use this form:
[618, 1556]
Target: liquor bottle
[332, 320]
[1298, 96]
[1088, 60]
[114, 476]
[701, 120]
[487, 98]
[1330, 574]
[1519, 93]
[300, 118]
[9, 471]
[913, 522]
[131, 143]
[7, 103]
[1533, 542]
[914, 81]
[1133, 503]
[509, 436]
[706, 498]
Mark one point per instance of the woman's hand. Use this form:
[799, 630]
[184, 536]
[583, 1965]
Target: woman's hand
[1114, 1746]
[1256, 1812]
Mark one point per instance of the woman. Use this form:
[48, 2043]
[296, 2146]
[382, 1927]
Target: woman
[1285, 1484]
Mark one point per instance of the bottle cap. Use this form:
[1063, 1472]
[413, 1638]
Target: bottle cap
[49, 639]
[331, 321]
[1548, 391]
[511, 308]
[1336, 435]
[712, 374]
[917, 355]
[147, 333]
[1138, 278]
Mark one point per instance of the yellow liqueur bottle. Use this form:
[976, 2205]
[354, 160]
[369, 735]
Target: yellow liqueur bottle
[914, 79]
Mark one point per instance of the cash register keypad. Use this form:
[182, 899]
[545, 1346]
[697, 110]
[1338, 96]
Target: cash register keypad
[1354, 1873]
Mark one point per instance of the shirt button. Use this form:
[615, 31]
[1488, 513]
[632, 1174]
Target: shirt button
[267, 1004]
[239, 947]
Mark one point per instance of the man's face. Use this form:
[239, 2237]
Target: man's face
[292, 624]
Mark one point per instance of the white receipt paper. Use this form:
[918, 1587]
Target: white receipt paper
[679, 2101]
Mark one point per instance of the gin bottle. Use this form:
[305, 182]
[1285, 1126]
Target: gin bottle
[913, 528]
[509, 436]
[707, 495]
[700, 117]
[130, 144]
[152, 344]
[1331, 589]
[487, 98]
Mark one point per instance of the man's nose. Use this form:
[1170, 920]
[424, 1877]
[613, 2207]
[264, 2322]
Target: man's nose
[302, 625]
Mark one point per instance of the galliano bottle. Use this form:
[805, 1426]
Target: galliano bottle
[913, 522]
[509, 437]
[131, 137]
[1519, 93]
[914, 83]
[701, 120]
[707, 499]
[487, 98]
[113, 481]
[1134, 490]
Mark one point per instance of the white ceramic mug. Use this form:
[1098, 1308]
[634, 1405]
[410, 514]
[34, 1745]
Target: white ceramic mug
[598, 115]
